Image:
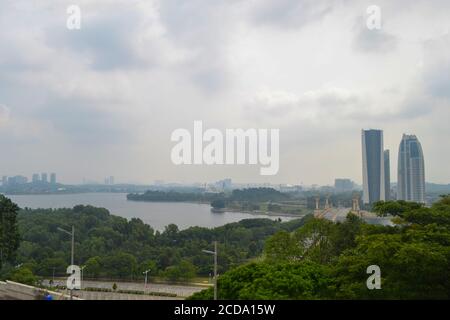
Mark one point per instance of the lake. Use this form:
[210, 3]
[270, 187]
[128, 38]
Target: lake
[156, 214]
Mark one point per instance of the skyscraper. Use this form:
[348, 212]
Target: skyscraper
[373, 166]
[35, 178]
[411, 170]
[44, 177]
[387, 176]
[53, 178]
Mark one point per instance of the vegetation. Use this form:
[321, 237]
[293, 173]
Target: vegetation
[325, 260]
[251, 199]
[23, 275]
[113, 247]
[174, 196]
[9, 235]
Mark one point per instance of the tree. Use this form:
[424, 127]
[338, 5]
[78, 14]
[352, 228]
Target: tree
[121, 264]
[24, 275]
[9, 234]
[185, 271]
[414, 259]
[93, 266]
[218, 204]
[282, 246]
[266, 280]
[315, 239]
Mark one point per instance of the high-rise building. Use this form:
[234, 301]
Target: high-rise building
[225, 184]
[17, 180]
[35, 178]
[53, 178]
[373, 166]
[411, 170]
[343, 185]
[109, 180]
[44, 177]
[4, 181]
[387, 176]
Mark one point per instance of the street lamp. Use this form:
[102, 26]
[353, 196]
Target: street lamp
[81, 284]
[72, 234]
[146, 272]
[215, 267]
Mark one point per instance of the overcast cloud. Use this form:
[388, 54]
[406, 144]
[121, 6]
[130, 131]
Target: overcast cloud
[104, 100]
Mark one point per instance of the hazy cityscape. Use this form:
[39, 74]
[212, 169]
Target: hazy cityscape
[376, 177]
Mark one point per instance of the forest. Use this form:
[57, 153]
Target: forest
[113, 247]
[325, 260]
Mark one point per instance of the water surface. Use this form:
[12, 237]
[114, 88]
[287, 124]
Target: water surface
[156, 214]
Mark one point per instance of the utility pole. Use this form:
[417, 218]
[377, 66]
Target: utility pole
[72, 234]
[146, 272]
[73, 245]
[215, 270]
[81, 284]
[215, 267]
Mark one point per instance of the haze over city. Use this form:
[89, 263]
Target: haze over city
[104, 100]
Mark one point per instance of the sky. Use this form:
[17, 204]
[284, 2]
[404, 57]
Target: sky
[103, 100]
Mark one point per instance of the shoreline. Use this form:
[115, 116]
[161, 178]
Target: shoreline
[231, 210]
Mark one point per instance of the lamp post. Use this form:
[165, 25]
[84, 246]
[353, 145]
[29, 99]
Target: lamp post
[215, 267]
[146, 272]
[81, 269]
[72, 234]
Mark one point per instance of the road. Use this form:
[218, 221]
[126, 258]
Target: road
[182, 291]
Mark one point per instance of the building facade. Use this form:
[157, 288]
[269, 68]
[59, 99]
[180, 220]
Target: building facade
[343, 185]
[387, 175]
[35, 178]
[411, 170]
[373, 166]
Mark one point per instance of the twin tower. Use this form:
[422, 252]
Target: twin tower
[376, 169]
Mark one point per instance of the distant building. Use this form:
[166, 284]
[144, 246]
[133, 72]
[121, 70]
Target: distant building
[4, 181]
[17, 180]
[53, 178]
[109, 180]
[343, 185]
[387, 176]
[225, 184]
[35, 178]
[44, 177]
[373, 166]
[411, 170]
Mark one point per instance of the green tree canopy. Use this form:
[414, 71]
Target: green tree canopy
[9, 234]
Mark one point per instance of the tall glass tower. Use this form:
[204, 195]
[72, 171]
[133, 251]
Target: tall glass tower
[411, 170]
[373, 166]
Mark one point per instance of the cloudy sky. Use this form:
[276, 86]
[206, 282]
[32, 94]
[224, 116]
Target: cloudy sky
[104, 100]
